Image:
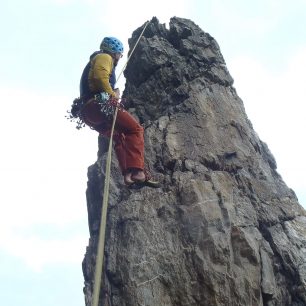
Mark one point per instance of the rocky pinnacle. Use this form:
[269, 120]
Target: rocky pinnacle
[224, 229]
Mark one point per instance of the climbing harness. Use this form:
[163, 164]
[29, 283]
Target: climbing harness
[101, 241]
[106, 105]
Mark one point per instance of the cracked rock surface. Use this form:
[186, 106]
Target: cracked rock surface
[224, 229]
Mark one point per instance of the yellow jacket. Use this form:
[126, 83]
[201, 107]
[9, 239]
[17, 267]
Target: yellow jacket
[99, 74]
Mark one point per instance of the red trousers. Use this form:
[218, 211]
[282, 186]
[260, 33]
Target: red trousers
[128, 135]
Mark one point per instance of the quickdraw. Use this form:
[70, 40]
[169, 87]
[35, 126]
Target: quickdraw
[108, 104]
[74, 115]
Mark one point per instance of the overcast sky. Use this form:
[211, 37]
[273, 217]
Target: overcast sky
[44, 159]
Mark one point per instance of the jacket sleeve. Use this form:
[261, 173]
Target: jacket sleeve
[102, 70]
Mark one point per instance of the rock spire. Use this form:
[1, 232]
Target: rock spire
[224, 229]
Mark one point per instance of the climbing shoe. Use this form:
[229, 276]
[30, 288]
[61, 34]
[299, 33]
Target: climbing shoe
[150, 183]
[143, 178]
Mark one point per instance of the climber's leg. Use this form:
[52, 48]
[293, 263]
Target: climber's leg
[133, 140]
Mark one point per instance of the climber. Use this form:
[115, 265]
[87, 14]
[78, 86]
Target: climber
[100, 98]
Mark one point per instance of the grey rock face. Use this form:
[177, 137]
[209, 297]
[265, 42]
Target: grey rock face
[224, 229]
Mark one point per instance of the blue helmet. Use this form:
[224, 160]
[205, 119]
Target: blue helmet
[112, 45]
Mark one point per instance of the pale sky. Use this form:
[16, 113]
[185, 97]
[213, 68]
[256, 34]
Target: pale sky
[44, 159]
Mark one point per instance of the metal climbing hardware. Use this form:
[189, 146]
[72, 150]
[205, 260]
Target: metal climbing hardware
[108, 104]
[74, 115]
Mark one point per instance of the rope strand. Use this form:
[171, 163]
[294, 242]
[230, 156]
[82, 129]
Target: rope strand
[101, 242]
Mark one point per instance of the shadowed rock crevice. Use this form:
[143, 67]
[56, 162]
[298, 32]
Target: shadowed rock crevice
[224, 228]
